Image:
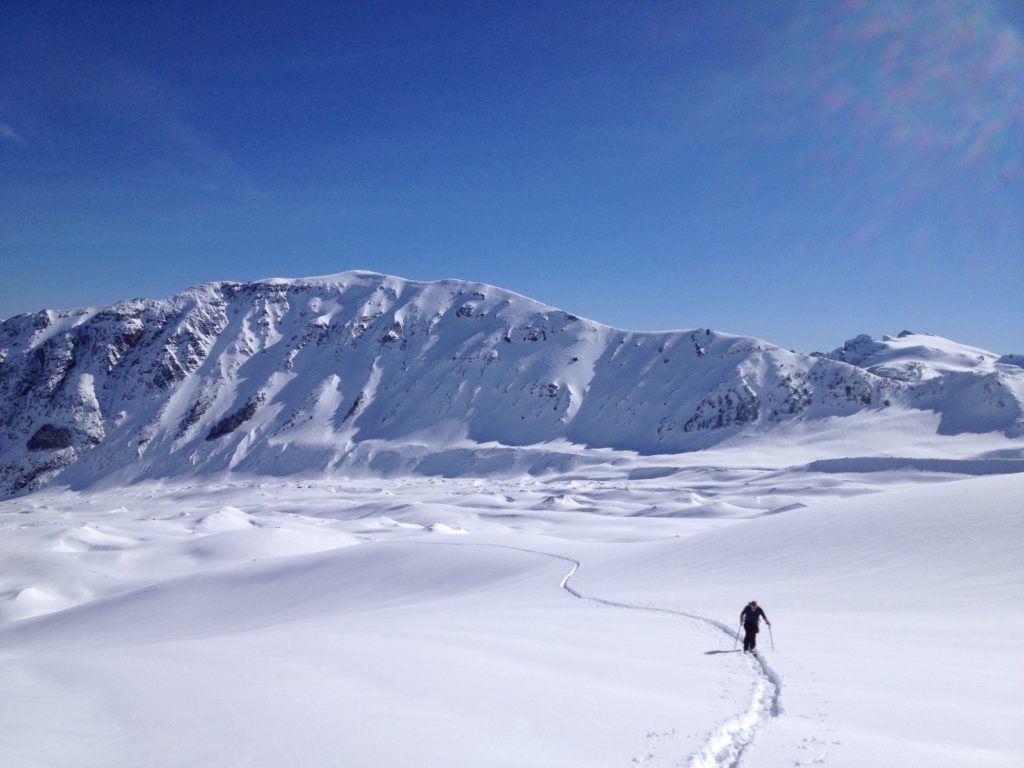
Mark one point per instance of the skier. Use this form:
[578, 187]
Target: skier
[749, 618]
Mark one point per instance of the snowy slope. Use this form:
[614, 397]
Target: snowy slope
[363, 372]
[893, 615]
[365, 521]
[914, 356]
[974, 390]
[431, 622]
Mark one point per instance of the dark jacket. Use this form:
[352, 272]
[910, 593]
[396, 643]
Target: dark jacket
[750, 617]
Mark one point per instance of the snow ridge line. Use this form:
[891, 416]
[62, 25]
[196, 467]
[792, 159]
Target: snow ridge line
[727, 743]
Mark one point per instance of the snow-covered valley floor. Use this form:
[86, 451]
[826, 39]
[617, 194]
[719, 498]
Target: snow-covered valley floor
[577, 619]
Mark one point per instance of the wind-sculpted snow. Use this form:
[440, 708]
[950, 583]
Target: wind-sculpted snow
[443, 622]
[360, 371]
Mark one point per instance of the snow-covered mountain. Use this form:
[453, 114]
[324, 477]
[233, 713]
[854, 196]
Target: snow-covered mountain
[350, 370]
[973, 390]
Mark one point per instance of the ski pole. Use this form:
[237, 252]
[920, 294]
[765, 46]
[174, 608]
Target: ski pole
[771, 637]
[737, 639]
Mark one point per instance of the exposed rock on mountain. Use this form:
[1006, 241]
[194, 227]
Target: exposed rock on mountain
[284, 376]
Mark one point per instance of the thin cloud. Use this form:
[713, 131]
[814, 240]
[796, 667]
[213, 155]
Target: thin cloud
[8, 133]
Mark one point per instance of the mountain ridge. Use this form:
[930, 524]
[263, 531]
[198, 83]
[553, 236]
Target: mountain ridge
[327, 373]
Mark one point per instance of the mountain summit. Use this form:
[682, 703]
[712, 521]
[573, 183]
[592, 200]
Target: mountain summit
[350, 370]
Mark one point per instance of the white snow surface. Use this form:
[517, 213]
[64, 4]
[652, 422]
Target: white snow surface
[583, 618]
[360, 521]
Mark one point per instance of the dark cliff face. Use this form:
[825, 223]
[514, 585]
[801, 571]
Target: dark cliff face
[293, 376]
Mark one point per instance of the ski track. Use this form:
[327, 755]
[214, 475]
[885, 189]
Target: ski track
[726, 745]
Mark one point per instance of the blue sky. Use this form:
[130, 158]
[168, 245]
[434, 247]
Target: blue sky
[801, 171]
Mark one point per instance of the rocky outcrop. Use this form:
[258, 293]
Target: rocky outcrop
[50, 438]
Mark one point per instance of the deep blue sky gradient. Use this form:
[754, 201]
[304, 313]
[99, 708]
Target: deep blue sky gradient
[802, 172]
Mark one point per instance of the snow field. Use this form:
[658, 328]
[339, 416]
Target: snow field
[423, 622]
[894, 617]
[387, 654]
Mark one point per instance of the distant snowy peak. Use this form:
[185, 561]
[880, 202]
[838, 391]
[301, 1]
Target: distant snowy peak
[972, 389]
[914, 356]
[361, 371]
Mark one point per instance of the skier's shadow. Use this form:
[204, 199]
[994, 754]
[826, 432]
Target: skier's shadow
[713, 653]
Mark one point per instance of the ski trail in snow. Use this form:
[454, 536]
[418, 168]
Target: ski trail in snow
[727, 744]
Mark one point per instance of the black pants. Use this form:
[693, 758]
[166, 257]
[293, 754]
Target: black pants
[750, 638]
